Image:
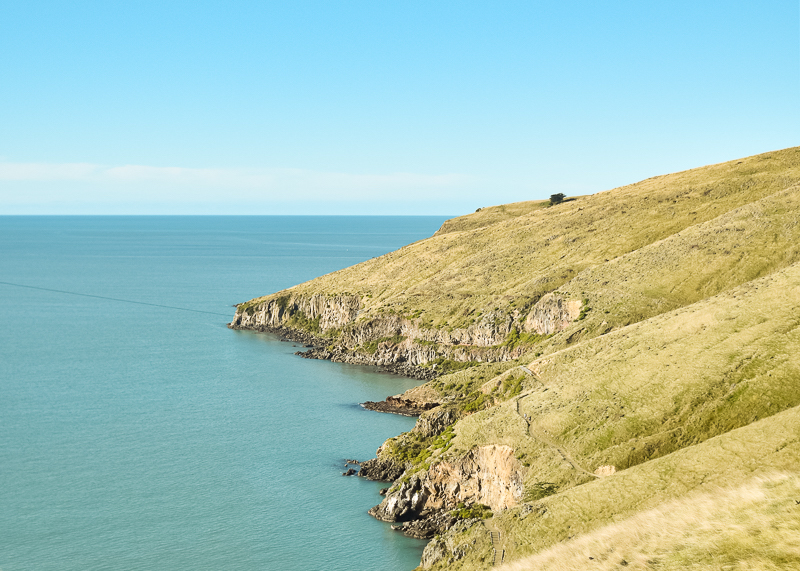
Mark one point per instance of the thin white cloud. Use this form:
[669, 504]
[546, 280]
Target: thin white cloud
[265, 179]
[33, 188]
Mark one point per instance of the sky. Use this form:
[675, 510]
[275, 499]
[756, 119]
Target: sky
[389, 107]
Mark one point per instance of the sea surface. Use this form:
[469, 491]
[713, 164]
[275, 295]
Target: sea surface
[139, 433]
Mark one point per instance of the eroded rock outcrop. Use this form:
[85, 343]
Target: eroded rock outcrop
[330, 323]
[435, 421]
[399, 405]
[551, 314]
[331, 311]
[488, 475]
[446, 547]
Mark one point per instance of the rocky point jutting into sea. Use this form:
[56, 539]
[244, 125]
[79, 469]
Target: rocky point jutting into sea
[576, 353]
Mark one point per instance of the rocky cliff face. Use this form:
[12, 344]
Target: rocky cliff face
[552, 314]
[331, 311]
[382, 340]
[488, 475]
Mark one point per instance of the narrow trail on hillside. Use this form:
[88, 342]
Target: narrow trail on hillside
[544, 439]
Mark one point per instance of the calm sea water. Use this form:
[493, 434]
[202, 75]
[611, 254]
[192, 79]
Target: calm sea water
[140, 436]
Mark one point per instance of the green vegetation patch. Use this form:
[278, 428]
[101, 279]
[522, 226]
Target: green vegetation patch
[448, 365]
[299, 320]
[475, 401]
[473, 511]
[516, 339]
[539, 490]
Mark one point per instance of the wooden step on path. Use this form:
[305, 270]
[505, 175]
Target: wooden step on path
[495, 537]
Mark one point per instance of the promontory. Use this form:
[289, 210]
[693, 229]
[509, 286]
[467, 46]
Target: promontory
[611, 381]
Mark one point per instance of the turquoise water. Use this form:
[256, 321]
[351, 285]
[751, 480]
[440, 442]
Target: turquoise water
[144, 437]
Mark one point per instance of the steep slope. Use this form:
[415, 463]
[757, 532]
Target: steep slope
[754, 525]
[732, 459]
[620, 400]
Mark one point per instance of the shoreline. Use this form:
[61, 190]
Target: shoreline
[317, 348]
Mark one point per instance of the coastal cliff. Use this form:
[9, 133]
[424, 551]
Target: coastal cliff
[331, 324]
[595, 346]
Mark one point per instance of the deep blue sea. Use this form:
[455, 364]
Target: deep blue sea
[139, 433]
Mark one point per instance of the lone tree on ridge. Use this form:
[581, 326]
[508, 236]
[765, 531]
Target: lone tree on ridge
[557, 198]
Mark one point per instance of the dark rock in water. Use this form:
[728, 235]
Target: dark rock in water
[338, 355]
[399, 405]
[350, 472]
[382, 469]
[382, 491]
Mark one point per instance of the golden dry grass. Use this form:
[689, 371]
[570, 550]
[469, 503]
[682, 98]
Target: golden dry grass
[727, 461]
[654, 387]
[754, 526]
[505, 257]
[683, 371]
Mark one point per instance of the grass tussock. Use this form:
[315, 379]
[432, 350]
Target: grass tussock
[754, 526]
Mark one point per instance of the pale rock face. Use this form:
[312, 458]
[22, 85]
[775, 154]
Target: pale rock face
[552, 314]
[604, 471]
[445, 547]
[488, 475]
[333, 311]
[481, 341]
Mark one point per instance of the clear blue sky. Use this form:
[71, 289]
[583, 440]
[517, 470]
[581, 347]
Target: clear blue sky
[379, 107]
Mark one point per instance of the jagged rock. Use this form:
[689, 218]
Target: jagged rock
[434, 422]
[429, 524]
[382, 469]
[480, 341]
[449, 546]
[399, 405]
[382, 491]
[404, 504]
[489, 475]
[350, 472]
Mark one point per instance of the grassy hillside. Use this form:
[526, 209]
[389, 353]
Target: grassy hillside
[653, 387]
[670, 381]
[505, 258]
[732, 460]
[754, 525]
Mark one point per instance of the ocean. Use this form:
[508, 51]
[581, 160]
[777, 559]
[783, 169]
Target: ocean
[139, 433]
